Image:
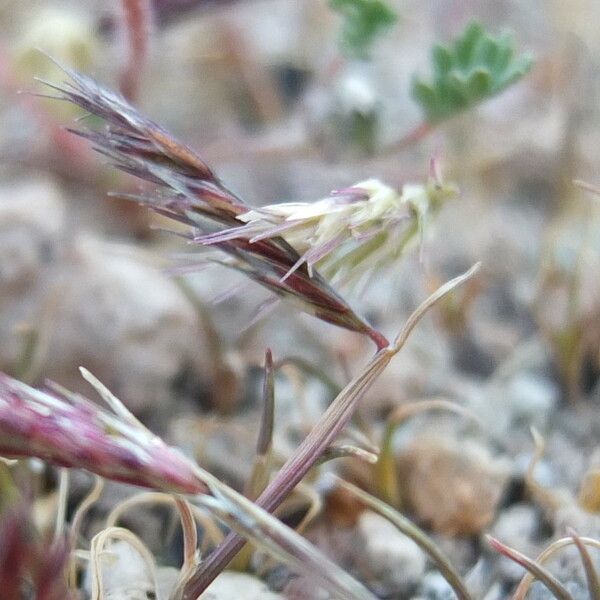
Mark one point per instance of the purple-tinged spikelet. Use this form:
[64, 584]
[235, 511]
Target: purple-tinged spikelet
[193, 195]
[71, 431]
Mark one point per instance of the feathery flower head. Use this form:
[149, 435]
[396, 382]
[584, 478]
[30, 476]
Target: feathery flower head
[347, 233]
[192, 194]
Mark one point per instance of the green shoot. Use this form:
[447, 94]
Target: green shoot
[364, 20]
[473, 68]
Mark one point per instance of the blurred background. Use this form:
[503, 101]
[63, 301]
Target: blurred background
[266, 94]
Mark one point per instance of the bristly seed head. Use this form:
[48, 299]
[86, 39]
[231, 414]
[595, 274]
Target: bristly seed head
[348, 233]
[68, 430]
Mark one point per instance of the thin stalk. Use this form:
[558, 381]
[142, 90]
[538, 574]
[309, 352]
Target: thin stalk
[332, 422]
[91, 498]
[211, 532]
[137, 25]
[259, 477]
[61, 510]
[546, 497]
[348, 451]
[101, 545]
[414, 136]
[534, 567]
[528, 578]
[270, 535]
[416, 534]
[591, 574]
[190, 533]
[190, 544]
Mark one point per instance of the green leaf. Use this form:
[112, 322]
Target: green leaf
[472, 68]
[479, 83]
[424, 94]
[465, 45]
[442, 59]
[364, 21]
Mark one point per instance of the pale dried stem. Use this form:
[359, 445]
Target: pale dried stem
[190, 533]
[547, 554]
[332, 422]
[314, 508]
[86, 503]
[348, 451]
[111, 400]
[61, 510]
[549, 501]
[591, 574]
[420, 538]
[534, 567]
[99, 546]
[212, 533]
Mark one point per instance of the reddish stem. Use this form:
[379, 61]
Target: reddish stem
[333, 421]
[380, 340]
[137, 21]
[412, 137]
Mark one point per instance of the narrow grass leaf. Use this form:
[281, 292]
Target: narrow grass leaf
[416, 534]
[534, 567]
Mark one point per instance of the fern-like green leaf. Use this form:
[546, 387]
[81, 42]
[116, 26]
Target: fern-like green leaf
[476, 66]
[364, 20]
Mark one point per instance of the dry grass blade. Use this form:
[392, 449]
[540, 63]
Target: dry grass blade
[262, 462]
[348, 451]
[591, 574]
[329, 426]
[440, 293]
[283, 543]
[304, 458]
[548, 553]
[61, 511]
[534, 567]
[545, 497]
[414, 533]
[212, 533]
[588, 187]
[190, 545]
[101, 546]
[190, 533]
[91, 498]
[261, 468]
